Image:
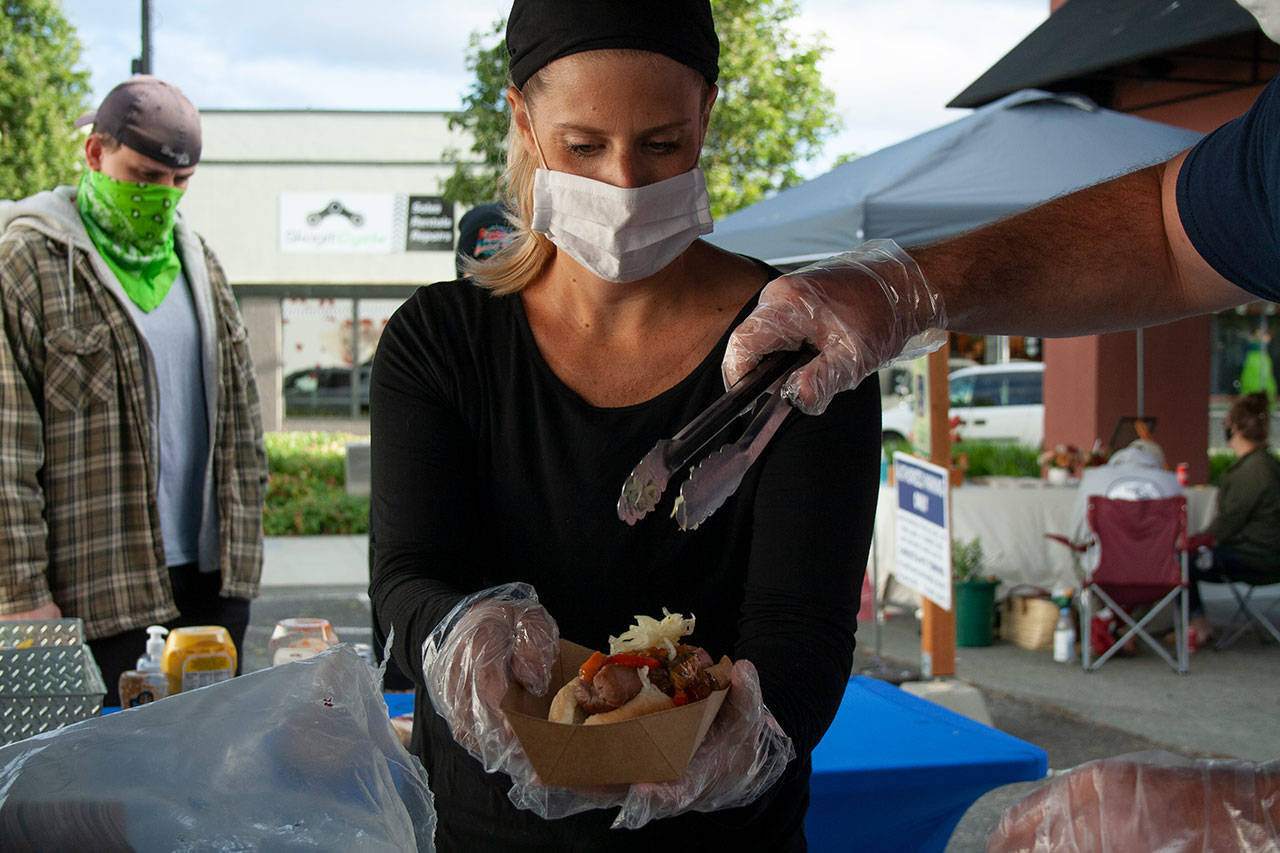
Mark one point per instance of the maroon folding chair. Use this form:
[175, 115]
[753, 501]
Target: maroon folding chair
[1142, 560]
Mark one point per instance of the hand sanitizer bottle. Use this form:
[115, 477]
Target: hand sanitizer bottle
[148, 682]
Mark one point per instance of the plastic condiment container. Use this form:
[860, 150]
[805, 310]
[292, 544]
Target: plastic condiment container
[300, 637]
[198, 656]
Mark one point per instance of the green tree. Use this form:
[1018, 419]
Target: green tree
[42, 95]
[485, 117]
[773, 112]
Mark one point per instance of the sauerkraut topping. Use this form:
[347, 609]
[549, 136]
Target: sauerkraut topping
[650, 633]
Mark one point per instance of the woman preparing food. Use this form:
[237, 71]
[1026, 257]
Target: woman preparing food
[508, 408]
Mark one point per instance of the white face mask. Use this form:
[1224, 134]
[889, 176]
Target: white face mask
[620, 234]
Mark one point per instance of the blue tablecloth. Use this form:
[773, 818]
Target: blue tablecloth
[897, 772]
[399, 704]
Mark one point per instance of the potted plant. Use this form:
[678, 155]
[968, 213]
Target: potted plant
[974, 594]
[1066, 461]
[1061, 463]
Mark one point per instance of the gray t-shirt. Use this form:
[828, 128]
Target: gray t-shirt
[173, 334]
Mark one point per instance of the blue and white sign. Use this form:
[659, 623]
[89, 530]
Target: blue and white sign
[923, 558]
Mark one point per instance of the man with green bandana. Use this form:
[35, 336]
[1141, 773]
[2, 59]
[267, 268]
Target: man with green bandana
[132, 469]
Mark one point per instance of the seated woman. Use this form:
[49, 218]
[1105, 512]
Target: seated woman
[508, 408]
[1246, 530]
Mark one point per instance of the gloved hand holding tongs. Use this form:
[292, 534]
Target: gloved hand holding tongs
[865, 309]
[897, 316]
[716, 477]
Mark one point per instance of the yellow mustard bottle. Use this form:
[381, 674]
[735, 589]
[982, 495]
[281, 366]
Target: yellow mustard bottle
[198, 656]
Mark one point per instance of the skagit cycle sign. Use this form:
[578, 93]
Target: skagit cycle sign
[364, 223]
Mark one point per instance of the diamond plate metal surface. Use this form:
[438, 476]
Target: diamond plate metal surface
[48, 678]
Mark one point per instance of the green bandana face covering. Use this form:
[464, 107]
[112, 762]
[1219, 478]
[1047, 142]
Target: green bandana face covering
[131, 225]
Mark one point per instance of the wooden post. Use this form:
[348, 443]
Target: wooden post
[938, 626]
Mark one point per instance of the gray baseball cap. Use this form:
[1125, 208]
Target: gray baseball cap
[153, 118]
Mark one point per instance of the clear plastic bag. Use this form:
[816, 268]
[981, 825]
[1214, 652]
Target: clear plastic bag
[502, 633]
[1148, 801]
[300, 756]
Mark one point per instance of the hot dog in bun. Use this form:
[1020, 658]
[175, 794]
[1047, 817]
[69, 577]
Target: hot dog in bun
[647, 669]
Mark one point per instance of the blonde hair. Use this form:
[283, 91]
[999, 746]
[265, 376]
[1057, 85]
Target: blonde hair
[516, 264]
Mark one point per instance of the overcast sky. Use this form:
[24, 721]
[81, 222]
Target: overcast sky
[893, 65]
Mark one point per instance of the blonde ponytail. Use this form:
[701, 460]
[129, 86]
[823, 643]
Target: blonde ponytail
[520, 261]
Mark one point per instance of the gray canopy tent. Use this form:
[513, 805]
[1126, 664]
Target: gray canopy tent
[1009, 155]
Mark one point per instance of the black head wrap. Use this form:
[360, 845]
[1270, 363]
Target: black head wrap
[542, 31]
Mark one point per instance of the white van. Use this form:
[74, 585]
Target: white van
[995, 402]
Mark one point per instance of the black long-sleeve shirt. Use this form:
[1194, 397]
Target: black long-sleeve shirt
[488, 469]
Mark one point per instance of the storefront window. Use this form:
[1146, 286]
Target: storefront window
[327, 345]
[1244, 350]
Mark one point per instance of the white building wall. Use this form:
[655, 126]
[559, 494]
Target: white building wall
[236, 206]
[252, 158]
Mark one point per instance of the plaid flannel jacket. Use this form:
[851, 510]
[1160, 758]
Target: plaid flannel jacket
[78, 516]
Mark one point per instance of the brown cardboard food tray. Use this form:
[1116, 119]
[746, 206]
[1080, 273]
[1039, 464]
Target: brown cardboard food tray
[652, 748]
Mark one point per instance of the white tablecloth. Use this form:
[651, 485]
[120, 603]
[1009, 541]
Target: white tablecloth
[1011, 520]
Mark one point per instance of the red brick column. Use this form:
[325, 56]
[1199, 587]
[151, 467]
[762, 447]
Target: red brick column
[1090, 382]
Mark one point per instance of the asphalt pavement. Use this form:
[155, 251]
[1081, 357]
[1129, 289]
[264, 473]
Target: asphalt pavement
[1226, 706]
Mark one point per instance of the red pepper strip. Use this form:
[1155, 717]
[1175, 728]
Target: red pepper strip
[680, 698]
[587, 672]
[632, 660]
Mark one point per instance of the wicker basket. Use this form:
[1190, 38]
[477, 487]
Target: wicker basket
[48, 677]
[1029, 618]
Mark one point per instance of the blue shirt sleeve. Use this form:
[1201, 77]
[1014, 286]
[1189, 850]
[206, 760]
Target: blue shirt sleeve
[1229, 197]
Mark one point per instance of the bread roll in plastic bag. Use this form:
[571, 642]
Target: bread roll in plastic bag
[300, 756]
[1148, 801]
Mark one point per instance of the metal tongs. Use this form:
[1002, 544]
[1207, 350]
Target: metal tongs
[715, 478]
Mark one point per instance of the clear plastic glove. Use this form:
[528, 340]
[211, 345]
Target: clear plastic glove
[470, 658]
[744, 753]
[1148, 801]
[863, 310]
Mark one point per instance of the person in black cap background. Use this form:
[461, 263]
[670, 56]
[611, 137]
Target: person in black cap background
[132, 466]
[483, 231]
[507, 409]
